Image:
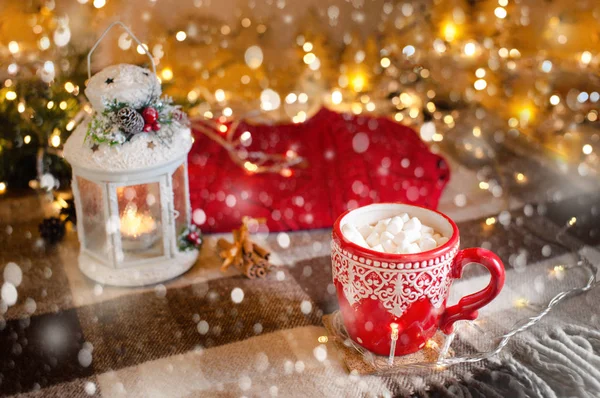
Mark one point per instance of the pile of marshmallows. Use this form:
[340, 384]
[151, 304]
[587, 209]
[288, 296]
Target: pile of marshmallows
[400, 234]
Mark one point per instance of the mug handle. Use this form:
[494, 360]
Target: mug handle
[467, 307]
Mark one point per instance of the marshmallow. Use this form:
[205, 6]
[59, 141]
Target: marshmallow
[426, 235]
[402, 248]
[389, 246]
[427, 243]
[352, 234]
[414, 224]
[395, 225]
[442, 240]
[405, 217]
[366, 230]
[373, 239]
[378, 248]
[386, 236]
[436, 236]
[413, 248]
[382, 225]
[427, 230]
[407, 236]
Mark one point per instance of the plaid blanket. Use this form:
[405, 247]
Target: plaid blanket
[69, 337]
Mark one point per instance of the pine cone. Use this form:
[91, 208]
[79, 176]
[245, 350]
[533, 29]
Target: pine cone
[52, 230]
[130, 120]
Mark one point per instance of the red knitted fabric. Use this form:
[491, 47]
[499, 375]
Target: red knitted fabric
[352, 161]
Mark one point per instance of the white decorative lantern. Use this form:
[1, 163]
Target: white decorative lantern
[130, 180]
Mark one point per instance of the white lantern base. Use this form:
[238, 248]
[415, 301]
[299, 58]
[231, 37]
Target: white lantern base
[141, 275]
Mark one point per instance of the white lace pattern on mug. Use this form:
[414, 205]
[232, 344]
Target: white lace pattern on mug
[395, 285]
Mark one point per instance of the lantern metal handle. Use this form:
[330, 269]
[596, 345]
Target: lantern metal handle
[89, 57]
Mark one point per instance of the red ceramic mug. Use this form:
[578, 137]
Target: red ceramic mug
[379, 292]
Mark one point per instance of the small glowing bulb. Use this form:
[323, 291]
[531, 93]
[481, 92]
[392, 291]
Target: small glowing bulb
[521, 177]
[70, 87]
[490, 221]
[525, 115]
[50, 104]
[291, 98]
[476, 131]
[181, 35]
[55, 141]
[555, 99]
[336, 97]
[500, 12]
[251, 167]
[449, 31]
[220, 95]
[223, 128]
[431, 344]
[394, 327]
[13, 47]
[521, 303]
[309, 58]
[142, 49]
[192, 96]
[323, 339]
[358, 82]
[469, 49]
[21, 107]
[286, 172]
[559, 268]
[484, 185]
[11, 95]
[586, 57]
[166, 74]
[99, 3]
[70, 125]
[587, 149]
[63, 105]
[307, 46]
[572, 221]
[480, 84]
[12, 69]
[480, 73]
[227, 112]
[27, 139]
[44, 43]
[385, 62]
[246, 135]
[2, 187]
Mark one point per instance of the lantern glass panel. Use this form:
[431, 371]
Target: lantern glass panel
[93, 216]
[140, 221]
[180, 199]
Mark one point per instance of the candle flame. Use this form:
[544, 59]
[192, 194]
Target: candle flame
[133, 224]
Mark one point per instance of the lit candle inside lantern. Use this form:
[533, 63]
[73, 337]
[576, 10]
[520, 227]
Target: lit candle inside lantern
[138, 231]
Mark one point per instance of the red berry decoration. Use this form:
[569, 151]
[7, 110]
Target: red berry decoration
[150, 115]
[147, 128]
[156, 126]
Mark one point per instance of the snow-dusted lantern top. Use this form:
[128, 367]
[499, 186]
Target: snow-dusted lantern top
[130, 180]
